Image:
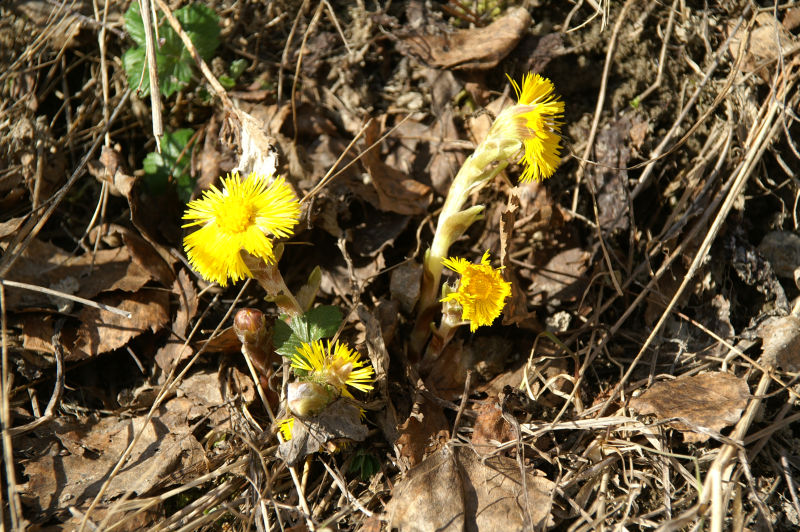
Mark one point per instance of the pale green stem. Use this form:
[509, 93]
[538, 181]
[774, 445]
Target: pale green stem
[489, 159]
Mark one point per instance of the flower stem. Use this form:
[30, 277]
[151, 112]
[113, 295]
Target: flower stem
[490, 158]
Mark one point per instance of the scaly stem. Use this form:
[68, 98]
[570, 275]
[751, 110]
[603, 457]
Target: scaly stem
[490, 158]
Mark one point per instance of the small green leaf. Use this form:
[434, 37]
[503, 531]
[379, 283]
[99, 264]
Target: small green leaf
[237, 68]
[201, 23]
[227, 81]
[323, 322]
[134, 24]
[160, 167]
[175, 63]
[316, 324]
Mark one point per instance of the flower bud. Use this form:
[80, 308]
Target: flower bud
[306, 399]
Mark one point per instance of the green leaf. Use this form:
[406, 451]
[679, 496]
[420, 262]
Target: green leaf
[134, 24]
[160, 167]
[174, 62]
[227, 82]
[201, 23]
[285, 341]
[323, 322]
[237, 68]
[316, 324]
[133, 63]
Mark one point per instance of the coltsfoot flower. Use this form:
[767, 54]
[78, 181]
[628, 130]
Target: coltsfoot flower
[335, 365]
[481, 291]
[535, 121]
[244, 215]
[285, 427]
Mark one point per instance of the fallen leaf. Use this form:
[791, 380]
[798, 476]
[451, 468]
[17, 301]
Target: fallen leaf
[490, 427]
[562, 277]
[781, 342]
[87, 275]
[423, 432]
[380, 360]
[68, 461]
[396, 191]
[454, 490]
[205, 392]
[711, 400]
[404, 284]
[341, 420]
[764, 43]
[609, 176]
[516, 309]
[376, 233]
[102, 331]
[472, 49]
[174, 350]
[782, 250]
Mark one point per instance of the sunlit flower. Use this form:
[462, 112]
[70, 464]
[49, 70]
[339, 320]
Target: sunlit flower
[481, 291]
[334, 364]
[244, 215]
[285, 427]
[535, 121]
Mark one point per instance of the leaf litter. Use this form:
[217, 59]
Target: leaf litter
[607, 261]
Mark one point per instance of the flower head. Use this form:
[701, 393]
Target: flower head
[481, 291]
[535, 121]
[285, 427]
[244, 215]
[334, 364]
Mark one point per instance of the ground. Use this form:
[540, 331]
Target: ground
[642, 373]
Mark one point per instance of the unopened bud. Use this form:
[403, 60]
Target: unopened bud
[250, 326]
[307, 399]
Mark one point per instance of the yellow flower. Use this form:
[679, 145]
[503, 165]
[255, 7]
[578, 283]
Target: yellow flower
[481, 291]
[244, 215]
[335, 365]
[285, 427]
[535, 121]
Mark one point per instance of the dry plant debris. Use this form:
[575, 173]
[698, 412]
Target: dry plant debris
[709, 400]
[641, 375]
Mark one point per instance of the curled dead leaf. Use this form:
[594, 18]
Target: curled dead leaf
[472, 49]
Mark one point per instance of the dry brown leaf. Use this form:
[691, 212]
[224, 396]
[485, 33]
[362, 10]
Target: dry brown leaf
[203, 394]
[472, 49]
[184, 288]
[781, 342]
[396, 191]
[711, 400]
[73, 459]
[102, 331]
[405, 284]
[455, 490]
[109, 169]
[47, 265]
[516, 309]
[379, 358]
[422, 433]
[609, 176]
[562, 277]
[782, 250]
[10, 227]
[765, 42]
[341, 420]
[490, 427]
